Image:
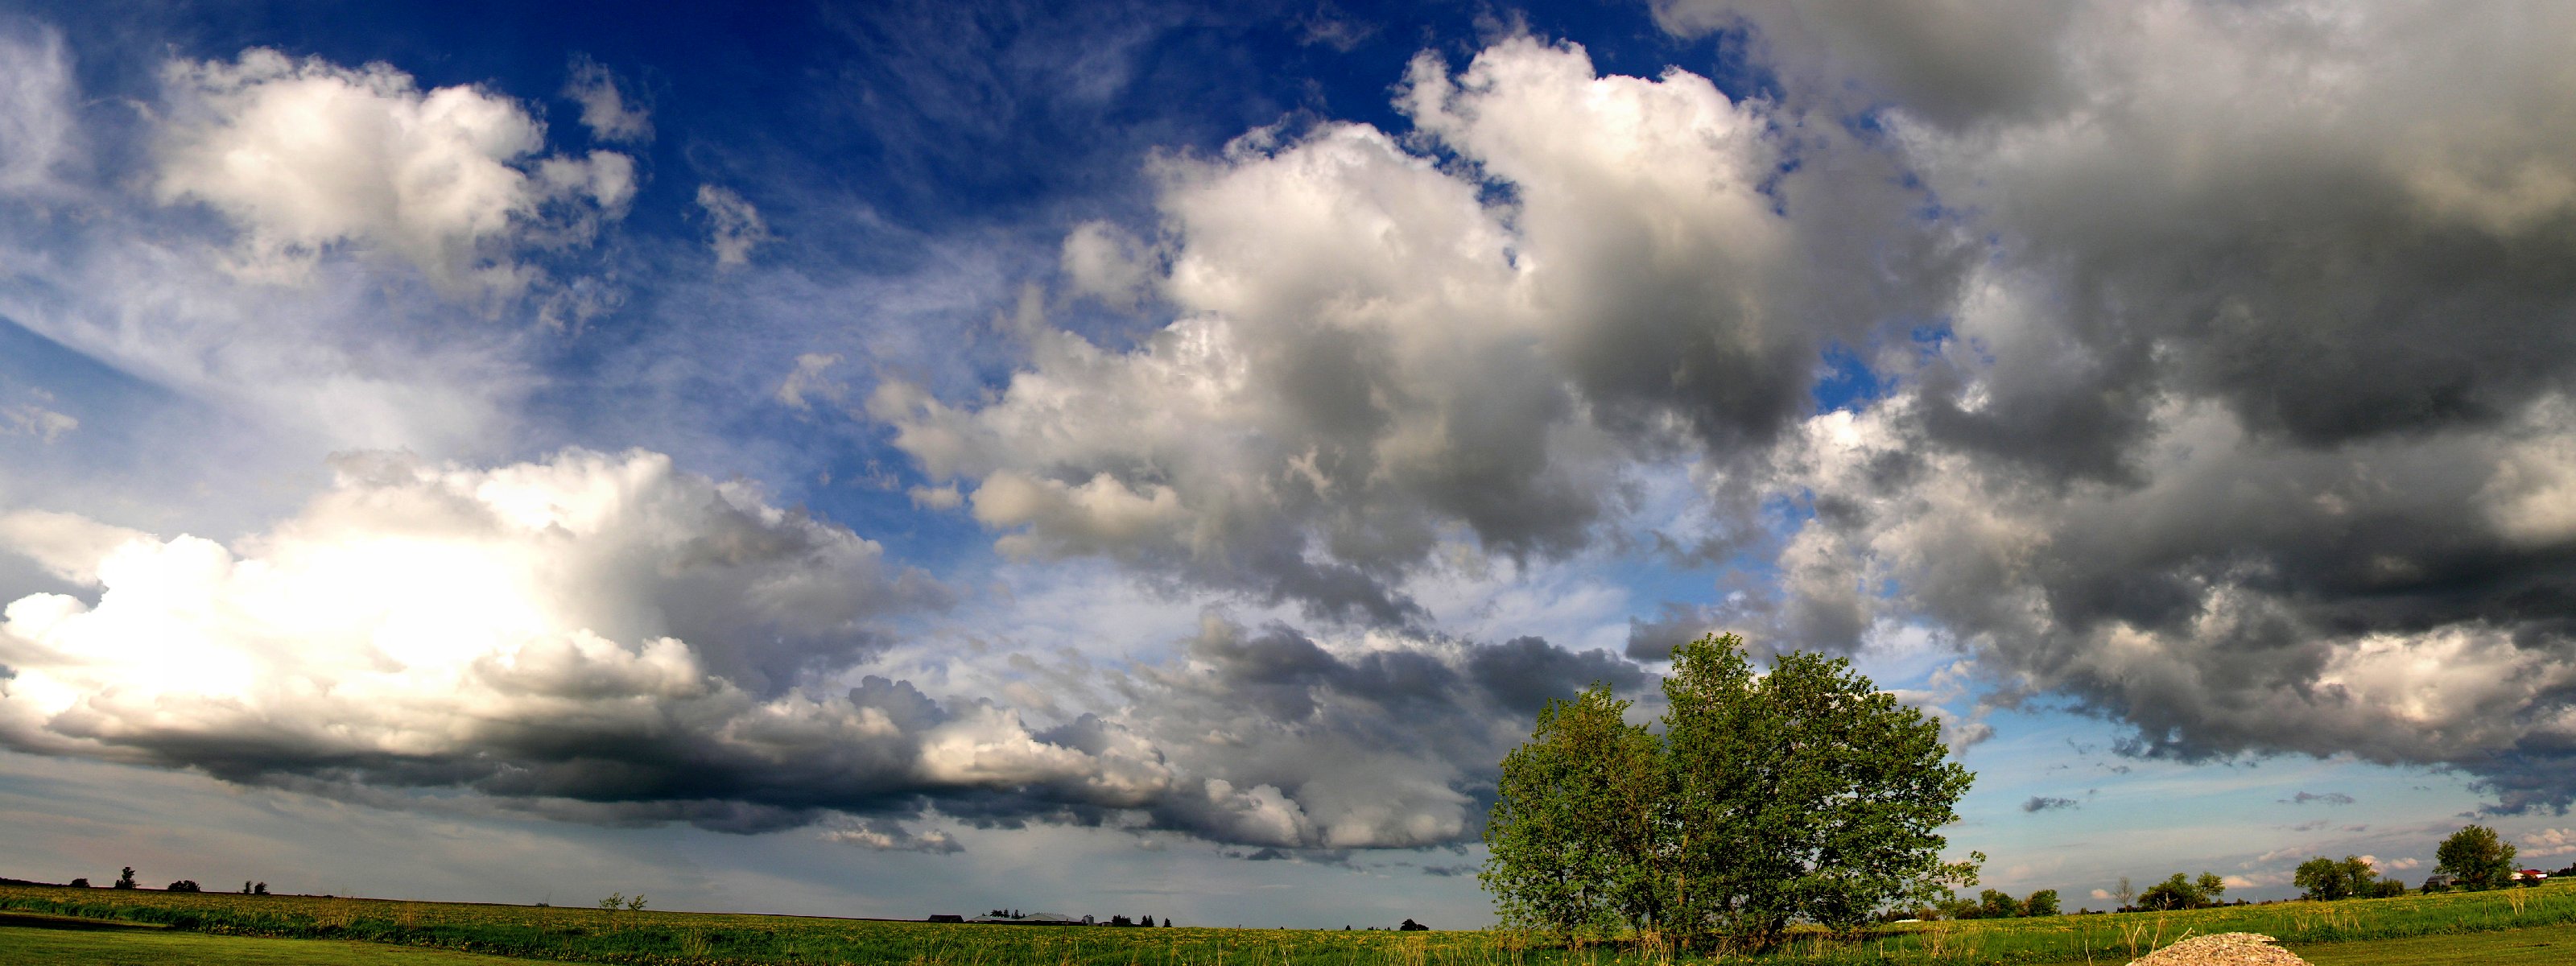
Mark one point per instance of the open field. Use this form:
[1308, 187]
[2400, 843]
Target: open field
[32, 941]
[591, 935]
[2514, 947]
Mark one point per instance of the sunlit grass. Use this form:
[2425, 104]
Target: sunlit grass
[592, 935]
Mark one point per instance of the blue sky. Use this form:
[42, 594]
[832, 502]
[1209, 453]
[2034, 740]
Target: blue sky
[892, 459]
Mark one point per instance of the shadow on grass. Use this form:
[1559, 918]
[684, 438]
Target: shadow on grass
[24, 921]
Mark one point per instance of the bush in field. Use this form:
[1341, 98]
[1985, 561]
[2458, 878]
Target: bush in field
[183, 885]
[2040, 903]
[80, 883]
[2477, 858]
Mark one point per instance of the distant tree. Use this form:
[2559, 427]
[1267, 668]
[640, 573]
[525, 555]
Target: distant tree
[1121, 920]
[1996, 904]
[2387, 889]
[245, 887]
[614, 902]
[2182, 892]
[125, 880]
[635, 904]
[2126, 893]
[81, 883]
[183, 885]
[2211, 887]
[2040, 903]
[1167, 922]
[2477, 858]
[1412, 926]
[262, 889]
[2322, 879]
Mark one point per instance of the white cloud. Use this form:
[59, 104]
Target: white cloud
[1370, 353]
[1105, 262]
[416, 610]
[809, 379]
[29, 419]
[308, 157]
[734, 227]
[2546, 843]
[37, 133]
[604, 109]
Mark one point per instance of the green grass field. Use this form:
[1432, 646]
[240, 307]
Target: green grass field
[2514, 947]
[2323, 931]
[36, 941]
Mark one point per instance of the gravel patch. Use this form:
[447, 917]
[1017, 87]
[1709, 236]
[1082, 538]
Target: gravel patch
[2223, 949]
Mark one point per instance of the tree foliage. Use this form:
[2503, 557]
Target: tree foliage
[2477, 858]
[1801, 794]
[2040, 903]
[2181, 892]
[2326, 880]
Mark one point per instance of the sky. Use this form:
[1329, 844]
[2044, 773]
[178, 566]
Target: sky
[1137, 458]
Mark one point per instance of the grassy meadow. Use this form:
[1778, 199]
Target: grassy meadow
[711, 939]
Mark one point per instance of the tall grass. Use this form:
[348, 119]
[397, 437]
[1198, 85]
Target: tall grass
[706, 939]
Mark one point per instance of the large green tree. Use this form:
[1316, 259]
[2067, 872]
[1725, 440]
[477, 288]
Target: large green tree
[1800, 794]
[2477, 858]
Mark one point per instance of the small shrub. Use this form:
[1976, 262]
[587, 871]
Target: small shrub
[82, 883]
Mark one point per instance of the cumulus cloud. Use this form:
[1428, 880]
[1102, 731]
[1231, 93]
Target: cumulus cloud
[734, 227]
[592, 627]
[1377, 355]
[2250, 430]
[2546, 843]
[307, 157]
[1381, 740]
[603, 100]
[605, 638]
[1103, 261]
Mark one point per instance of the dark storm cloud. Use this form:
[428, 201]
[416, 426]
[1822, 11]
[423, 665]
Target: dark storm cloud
[2254, 432]
[1676, 625]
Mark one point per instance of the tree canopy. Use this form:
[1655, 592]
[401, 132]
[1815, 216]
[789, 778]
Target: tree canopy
[2326, 879]
[1762, 799]
[2477, 857]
